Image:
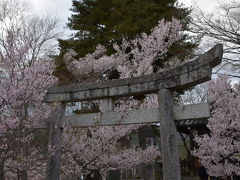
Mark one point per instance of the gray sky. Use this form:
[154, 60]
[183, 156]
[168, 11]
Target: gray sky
[57, 8]
[206, 5]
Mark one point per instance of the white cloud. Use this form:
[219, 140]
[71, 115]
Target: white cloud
[57, 8]
[206, 5]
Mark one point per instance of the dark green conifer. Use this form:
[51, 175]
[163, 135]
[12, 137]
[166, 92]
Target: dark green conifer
[107, 21]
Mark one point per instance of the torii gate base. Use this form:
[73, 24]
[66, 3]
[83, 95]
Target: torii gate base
[164, 83]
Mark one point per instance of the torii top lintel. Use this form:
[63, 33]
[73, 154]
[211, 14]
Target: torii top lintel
[187, 75]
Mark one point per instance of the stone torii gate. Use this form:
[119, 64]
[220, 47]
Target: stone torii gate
[164, 83]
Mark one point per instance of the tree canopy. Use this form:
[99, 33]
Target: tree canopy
[107, 22]
[104, 21]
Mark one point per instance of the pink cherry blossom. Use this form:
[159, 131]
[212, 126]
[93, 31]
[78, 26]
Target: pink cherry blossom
[219, 150]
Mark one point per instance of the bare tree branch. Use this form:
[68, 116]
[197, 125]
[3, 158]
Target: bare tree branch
[223, 26]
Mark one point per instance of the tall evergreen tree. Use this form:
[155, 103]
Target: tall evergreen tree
[108, 21]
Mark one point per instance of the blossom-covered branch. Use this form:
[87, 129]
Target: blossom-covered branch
[219, 150]
[132, 58]
[98, 149]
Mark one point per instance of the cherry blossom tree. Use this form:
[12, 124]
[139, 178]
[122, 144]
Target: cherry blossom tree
[93, 151]
[219, 150]
[25, 76]
[132, 58]
[22, 91]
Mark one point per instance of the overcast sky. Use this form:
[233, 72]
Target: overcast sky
[60, 8]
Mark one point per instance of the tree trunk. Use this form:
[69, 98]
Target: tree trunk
[94, 175]
[24, 175]
[2, 177]
[2, 172]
